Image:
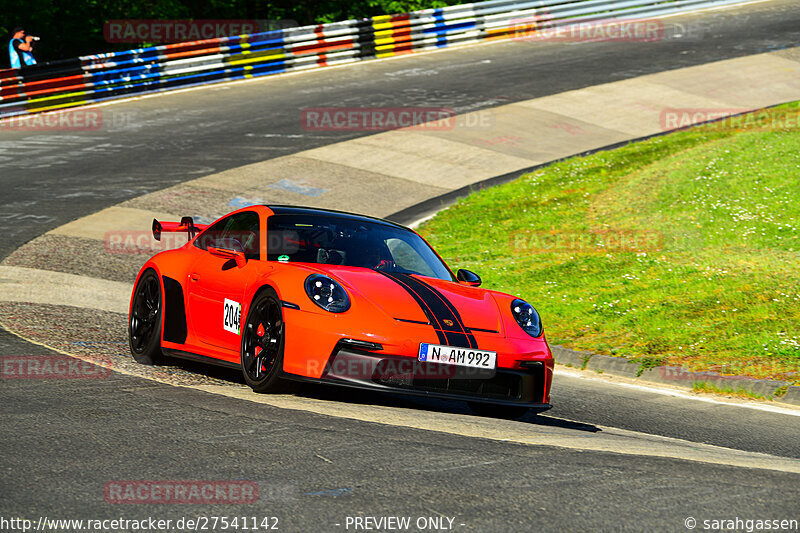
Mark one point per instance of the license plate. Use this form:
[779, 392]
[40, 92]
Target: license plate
[451, 355]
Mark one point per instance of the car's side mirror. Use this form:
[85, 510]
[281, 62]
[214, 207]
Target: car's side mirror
[467, 277]
[229, 249]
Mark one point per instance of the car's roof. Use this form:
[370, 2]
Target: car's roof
[314, 211]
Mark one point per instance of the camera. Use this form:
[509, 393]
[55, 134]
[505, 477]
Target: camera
[34, 38]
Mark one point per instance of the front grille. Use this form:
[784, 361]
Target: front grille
[503, 386]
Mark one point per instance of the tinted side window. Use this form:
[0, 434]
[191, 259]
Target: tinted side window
[242, 228]
[211, 234]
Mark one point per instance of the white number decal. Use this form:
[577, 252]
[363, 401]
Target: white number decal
[233, 313]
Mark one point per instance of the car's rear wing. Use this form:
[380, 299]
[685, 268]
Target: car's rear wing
[186, 224]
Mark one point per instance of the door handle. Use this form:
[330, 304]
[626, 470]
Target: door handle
[194, 276]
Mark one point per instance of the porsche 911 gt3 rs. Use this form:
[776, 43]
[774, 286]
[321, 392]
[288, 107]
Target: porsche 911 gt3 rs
[294, 293]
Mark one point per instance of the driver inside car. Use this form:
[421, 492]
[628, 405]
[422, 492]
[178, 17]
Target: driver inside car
[376, 256]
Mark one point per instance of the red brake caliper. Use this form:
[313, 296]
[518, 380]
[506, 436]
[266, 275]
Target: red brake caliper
[260, 332]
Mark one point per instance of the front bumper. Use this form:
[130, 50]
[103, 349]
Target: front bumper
[351, 367]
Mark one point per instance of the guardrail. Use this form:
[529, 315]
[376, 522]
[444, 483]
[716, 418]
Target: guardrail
[95, 78]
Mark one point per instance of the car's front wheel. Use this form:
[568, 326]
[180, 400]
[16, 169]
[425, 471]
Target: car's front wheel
[262, 343]
[144, 324]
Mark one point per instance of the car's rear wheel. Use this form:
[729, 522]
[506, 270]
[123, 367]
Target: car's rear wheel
[263, 342]
[508, 412]
[144, 324]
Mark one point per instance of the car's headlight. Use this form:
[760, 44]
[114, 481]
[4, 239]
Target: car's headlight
[527, 317]
[327, 294]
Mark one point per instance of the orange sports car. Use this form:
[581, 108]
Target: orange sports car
[294, 293]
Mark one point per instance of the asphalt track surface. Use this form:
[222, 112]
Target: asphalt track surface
[63, 440]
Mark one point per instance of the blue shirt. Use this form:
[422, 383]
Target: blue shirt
[16, 55]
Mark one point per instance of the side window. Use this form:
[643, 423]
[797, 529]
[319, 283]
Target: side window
[242, 228]
[210, 236]
[407, 258]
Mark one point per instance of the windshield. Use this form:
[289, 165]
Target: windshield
[333, 240]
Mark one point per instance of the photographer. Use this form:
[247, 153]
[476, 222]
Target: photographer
[20, 49]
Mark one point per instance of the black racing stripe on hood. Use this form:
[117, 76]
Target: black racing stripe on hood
[438, 309]
[422, 305]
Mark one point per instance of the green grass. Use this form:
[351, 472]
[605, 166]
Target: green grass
[703, 386]
[683, 249]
